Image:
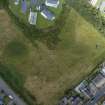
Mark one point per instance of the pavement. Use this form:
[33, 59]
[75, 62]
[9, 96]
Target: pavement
[97, 97]
[16, 99]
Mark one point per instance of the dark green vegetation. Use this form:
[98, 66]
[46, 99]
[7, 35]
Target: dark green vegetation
[48, 70]
[16, 49]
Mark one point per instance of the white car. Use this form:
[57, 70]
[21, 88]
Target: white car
[11, 97]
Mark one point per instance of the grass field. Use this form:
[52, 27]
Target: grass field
[49, 73]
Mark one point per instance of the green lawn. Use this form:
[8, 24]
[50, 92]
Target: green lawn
[41, 21]
[49, 73]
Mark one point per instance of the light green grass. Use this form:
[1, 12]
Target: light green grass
[50, 72]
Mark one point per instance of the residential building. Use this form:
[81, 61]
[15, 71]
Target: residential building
[99, 81]
[83, 88]
[75, 100]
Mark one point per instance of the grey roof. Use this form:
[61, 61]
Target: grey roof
[33, 18]
[52, 1]
[64, 101]
[99, 81]
[75, 100]
[49, 15]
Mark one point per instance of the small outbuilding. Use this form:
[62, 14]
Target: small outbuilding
[47, 14]
[52, 3]
[32, 18]
[75, 100]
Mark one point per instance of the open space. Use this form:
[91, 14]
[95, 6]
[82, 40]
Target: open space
[49, 73]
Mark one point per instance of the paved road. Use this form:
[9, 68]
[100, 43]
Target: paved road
[9, 91]
[96, 98]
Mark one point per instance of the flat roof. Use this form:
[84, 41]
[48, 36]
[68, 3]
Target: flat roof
[47, 14]
[32, 18]
[52, 1]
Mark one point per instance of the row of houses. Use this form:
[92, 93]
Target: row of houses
[88, 92]
[41, 8]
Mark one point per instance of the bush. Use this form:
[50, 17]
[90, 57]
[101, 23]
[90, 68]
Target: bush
[16, 49]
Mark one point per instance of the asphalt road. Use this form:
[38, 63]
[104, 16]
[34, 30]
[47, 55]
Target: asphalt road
[96, 98]
[9, 91]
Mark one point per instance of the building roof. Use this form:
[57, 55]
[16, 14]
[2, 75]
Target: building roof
[84, 88]
[32, 18]
[47, 14]
[75, 100]
[93, 88]
[24, 6]
[64, 101]
[52, 3]
[82, 85]
[99, 80]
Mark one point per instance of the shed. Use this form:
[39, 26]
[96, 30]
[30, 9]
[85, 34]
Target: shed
[47, 14]
[52, 3]
[32, 18]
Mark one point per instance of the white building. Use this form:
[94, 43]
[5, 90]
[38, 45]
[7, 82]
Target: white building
[52, 3]
[32, 18]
